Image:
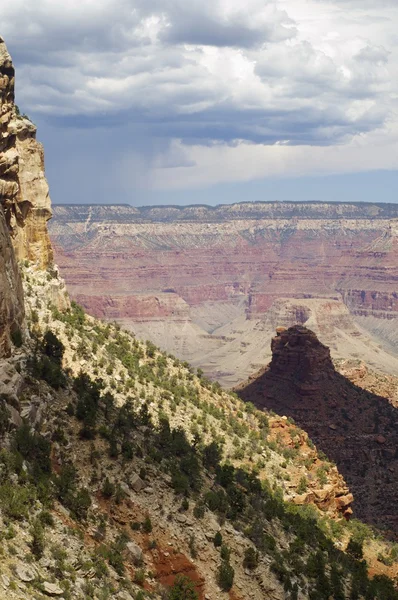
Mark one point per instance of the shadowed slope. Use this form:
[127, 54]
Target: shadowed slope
[355, 428]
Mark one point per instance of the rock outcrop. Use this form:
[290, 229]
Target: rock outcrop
[25, 205]
[24, 192]
[11, 294]
[355, 428]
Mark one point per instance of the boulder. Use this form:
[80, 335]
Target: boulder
[135, 552]
[52, 589]
[25, 574]
[136, 483]
[344, 501]
[324, 495]
[307, 498]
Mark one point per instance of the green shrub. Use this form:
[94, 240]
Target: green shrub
[211, 455]
[192, 546]
[46, 518]
[53, 347]
[225, 552]
[302, 486]
[226, 576]
[81, 504]
[34, 448]
[250, 560]
[179, 482]
[15, 500]
[355, 548]
[48, 370]
[183, 589]
[217, 540]
[139, 576]
[147, 525]
[89, 394]
[16, 337]
[37, 544]
[184, 505]
[199, 510]
[116, 561]
[360, 531]
[108, 489]
[322, 477]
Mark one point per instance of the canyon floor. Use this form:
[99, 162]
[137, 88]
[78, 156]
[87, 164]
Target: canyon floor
[210, 285]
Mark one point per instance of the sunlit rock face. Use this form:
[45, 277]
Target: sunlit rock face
[25, 206]
[24, 192]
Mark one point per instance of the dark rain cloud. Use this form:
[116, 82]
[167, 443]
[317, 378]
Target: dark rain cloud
[170, 66]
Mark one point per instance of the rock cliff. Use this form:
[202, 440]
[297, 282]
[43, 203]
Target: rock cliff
[355, 428]
[11, 294]
[24, 190]
[24, 204]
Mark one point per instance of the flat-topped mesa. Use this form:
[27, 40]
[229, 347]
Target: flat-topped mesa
[24, 193]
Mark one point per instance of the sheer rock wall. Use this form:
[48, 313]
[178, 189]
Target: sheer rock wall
[25, 205]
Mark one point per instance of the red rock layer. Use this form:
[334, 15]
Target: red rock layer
[139, 308]
[261, 252]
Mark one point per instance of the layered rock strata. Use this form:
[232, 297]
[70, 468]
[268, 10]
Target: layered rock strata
[355, 428]
[233, 268]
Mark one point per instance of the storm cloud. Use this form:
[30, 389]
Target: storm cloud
[161, 75]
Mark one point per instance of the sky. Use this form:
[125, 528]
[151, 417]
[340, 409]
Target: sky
[210, 101]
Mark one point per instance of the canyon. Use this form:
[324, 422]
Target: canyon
[210, 284]
[123, 472]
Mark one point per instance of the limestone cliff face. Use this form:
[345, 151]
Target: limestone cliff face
[24, 190]
[24, 205]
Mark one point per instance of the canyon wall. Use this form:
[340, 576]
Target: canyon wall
[23, 187]
[24, 204]
[236, 270]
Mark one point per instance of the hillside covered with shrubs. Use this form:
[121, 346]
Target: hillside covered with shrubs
[125, 474]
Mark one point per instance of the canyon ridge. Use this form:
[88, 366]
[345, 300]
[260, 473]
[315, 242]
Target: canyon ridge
[211, 284]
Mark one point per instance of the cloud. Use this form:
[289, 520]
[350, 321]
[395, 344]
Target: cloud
[171, 76]
[225, 23]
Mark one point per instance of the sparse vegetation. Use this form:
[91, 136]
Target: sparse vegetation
[227, 464]
[183, 589]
